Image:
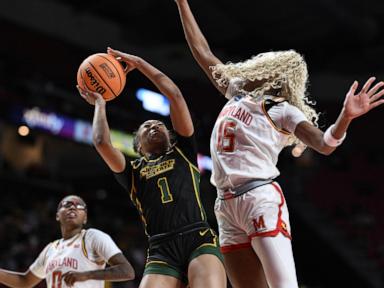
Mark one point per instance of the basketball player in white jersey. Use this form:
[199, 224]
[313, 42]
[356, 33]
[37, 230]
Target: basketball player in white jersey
[78, 259]
[267, 110]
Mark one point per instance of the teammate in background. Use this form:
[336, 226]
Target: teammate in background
[266, 110]
[76, 260]
[164, 186]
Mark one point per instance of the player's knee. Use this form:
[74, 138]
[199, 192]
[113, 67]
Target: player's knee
[206, 271]
[282, 277]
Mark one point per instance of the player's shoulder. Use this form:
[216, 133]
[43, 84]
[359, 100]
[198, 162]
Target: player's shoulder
[278, 104]
[137, 162]
[290, 109]
[50, 248]
[275, 100]
[53, 244]
[94, 238]
[93, 232]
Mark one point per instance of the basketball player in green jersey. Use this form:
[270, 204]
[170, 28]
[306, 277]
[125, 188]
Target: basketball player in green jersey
[164, 186]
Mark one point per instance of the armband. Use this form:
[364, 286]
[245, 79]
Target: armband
[330, 140]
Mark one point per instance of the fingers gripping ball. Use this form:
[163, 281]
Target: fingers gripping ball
[102, 73]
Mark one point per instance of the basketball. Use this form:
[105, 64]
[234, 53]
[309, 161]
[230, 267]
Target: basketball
[102, 73]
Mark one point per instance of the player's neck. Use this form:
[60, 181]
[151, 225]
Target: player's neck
[156, 153]
[69, 233]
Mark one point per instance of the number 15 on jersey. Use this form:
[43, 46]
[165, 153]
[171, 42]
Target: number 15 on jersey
[226, 136]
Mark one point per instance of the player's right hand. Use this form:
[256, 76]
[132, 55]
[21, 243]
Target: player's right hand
[90, 96]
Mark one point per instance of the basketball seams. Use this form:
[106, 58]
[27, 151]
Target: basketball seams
[118, 73]
[90, 73]
[91, 88]
[106, 83]
[84, 82]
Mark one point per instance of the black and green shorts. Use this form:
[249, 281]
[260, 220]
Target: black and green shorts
[171, 253]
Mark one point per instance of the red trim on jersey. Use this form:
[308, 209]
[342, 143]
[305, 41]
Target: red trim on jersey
[281, 226]
[228, 195]
[234, 247]
[270, 120]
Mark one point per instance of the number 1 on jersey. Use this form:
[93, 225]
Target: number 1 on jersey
[226, 136]
[166, 195]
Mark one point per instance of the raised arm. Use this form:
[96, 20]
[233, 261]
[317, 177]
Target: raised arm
[17, 279]
[180, 116]
[197, 42]
[101, 134]
[355, 105]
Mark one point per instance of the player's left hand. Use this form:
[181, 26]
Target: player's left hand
[368, 98]
[132, 61]
[71, 277]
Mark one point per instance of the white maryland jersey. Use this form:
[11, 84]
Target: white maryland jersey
[88, 250]
[247, 139]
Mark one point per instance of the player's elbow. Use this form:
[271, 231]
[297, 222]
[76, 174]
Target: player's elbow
[201, 47]
[24, 282]
[173, 93]
[102, 146]
[99, 140]
[326, 150]
[176, 94]
[128, 271]
[131, 274]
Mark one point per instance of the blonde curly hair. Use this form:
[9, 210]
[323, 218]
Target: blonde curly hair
[280, 70]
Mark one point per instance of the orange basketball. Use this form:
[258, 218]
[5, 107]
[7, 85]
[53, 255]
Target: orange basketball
[102, 73]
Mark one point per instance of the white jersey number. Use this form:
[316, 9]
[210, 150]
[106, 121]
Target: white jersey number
[226, 136]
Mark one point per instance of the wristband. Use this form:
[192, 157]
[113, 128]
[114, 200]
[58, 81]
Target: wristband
[330, 140]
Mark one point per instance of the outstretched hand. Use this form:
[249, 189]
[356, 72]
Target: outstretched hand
[90, 96]
[132, 61]
[357, 104]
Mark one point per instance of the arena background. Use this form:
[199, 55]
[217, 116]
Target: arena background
[335, 202]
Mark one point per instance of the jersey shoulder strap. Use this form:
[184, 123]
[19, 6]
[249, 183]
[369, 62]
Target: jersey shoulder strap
[83, 246]
[270, 102]
[273, 101]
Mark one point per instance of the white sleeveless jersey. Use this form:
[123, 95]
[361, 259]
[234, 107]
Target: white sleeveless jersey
[246, 140]
[88, 250]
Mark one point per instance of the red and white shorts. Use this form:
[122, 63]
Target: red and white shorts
[261, 212]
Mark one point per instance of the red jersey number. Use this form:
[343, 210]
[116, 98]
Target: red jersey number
[56, 279]
[226, 136]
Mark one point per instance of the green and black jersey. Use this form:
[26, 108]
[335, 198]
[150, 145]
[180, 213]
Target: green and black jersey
[165, 190]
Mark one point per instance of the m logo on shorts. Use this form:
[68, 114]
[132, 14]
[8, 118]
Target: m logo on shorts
[259, 223]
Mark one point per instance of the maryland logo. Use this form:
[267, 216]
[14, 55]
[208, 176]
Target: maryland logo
[284, 226]
[259, 223]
